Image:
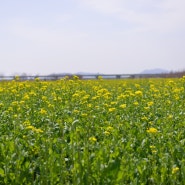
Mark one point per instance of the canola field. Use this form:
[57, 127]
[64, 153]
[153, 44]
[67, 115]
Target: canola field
[92, 132]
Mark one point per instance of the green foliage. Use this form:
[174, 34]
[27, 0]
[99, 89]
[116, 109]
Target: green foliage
[92, 132]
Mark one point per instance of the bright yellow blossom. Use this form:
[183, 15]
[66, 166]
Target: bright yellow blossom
[123, 106]
[43, 111]
[152, 130]
[175, 170]
[93, 139]
[139, 93]
[112, 109]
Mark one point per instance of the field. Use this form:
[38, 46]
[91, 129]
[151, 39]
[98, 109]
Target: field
[92, 132]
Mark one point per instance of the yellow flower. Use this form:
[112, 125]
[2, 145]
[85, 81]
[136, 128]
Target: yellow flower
[10, 109]
[170, 116]
[112, 109]
[89, 105]
[113, 103]
[123, 106]
[107, 133]
[100, 77]
[50, 105]
[32, 93]
[139, 93]
[15, 115]
[146, 108]
[38, 130]
[84, 115]
[76, 111]
[137, 85]
[175, 170]
[86, 97]
[43, 111]
[30, 127]
[44, 98]
[109, 128]
[76, 95]
[37, 79]
[106, 105]
[152, 146]
[144, 118]
[152, 130]
[122, 96]
[26, 97]
[14, 103]
[93, 139]
[95, 97]
[75, 77]
[17, 78]
[27, 122]
[136, 103]
[150, 103]
[22, 102]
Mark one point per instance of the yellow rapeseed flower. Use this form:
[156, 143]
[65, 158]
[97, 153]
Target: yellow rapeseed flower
[26, 97]
[123, 106]
[175, 170]
[27, 122]
[37, 79]
[144, 118]
[150, 103]
[139, 93]
[152, 146]
[152, 130]
[76, 111]
[136, 103]
[146, 108]
[30, 127]
[107, 133]
[89, 105]
[84, 115]
[112, 109]
[109, 128]
[93, 139]
[43, 111]
[38, 130]
[75, 77]
[113, 103]
[100, 77]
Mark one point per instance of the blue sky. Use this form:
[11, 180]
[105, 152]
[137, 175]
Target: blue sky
[105, 36]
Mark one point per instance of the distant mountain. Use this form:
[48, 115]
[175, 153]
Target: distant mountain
[154, 71]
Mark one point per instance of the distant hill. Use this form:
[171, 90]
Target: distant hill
[154, 71]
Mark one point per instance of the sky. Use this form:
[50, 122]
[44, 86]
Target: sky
[95, 36]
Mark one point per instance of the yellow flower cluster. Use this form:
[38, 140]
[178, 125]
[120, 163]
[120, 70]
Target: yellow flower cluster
[152, 130]
[93, 139]
[175, 170]
[37, 130]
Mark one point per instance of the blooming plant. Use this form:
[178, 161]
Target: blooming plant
[74, 131]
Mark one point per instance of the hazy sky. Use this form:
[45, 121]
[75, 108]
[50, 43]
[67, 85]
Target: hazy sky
[105, 36]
